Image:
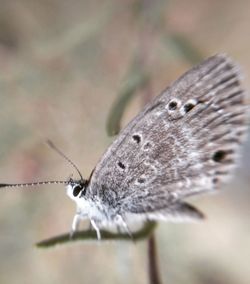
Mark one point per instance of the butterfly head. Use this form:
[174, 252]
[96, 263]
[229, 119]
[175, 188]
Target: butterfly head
[76, 188]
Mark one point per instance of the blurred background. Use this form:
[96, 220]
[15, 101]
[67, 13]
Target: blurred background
[63, 65]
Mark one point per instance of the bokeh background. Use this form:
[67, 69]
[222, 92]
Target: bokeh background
[63, 64]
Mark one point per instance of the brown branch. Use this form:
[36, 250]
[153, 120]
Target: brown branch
[153, 268]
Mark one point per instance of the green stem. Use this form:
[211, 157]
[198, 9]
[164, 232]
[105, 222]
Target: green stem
[90, 235]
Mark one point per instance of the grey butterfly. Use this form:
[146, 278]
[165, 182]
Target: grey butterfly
[185, 142]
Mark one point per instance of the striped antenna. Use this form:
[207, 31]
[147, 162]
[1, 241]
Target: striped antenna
[28, 184]
[39, 183]
[52, 146]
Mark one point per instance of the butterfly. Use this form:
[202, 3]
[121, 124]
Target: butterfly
[185, 142]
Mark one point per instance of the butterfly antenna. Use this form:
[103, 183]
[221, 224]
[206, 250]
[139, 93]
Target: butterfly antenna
[28, 184]
[52, 146]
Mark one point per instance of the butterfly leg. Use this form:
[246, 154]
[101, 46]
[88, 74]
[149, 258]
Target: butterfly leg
[124, 225]
[75, 225]
[76, 221]
[94, 225]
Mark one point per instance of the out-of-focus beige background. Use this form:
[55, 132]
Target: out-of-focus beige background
[62, 65]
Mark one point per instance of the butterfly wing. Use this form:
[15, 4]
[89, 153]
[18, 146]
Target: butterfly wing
[184, 142]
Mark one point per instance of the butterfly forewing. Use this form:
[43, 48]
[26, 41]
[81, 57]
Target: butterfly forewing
[184, 142]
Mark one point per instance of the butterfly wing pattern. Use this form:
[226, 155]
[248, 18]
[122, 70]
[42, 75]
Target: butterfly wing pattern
[185, 142]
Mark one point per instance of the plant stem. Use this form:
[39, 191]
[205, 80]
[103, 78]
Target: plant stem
[153, 269]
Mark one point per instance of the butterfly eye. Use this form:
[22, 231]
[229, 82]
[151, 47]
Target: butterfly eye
[77, 190]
